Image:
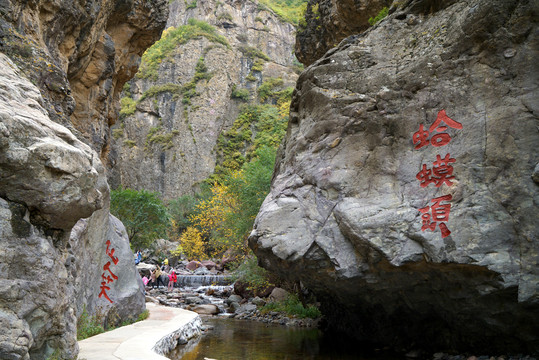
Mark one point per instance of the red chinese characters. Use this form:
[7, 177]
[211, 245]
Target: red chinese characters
[421, 137]
[441, 172]
[437, 214]
[108, 276]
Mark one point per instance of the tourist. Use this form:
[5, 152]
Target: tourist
[138, 257]
[153, 278]
[158, 277]
[172, 278]
[164, 266]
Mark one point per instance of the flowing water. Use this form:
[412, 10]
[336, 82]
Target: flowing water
[202, 280]
[233, 339]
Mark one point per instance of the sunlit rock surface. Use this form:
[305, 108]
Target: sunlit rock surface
[170, 146]
[343, 213]
[58, 97]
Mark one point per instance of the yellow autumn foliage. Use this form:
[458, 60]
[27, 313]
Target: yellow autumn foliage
[211, 216]
[191, 244]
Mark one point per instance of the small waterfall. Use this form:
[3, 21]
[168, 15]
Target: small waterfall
[203, 280]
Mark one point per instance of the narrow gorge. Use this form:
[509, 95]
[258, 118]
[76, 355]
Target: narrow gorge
[404, 195]
[214, 59]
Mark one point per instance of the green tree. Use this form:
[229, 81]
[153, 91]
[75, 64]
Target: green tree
[250, 190]
[143, 213]
[180, 210]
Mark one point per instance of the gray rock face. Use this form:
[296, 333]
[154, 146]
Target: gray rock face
[124, 286]
[78, 54]
[41, 160]
[169, 146]
[343, 215]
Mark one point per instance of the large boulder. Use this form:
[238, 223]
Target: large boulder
[58, 97]
[349, 209]
[112, 288]
[48, 179]
[44, 166]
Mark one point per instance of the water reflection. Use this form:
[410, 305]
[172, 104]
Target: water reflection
[240, 339]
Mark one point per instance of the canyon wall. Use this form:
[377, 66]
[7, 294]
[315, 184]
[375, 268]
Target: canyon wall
[406, 192]
[211, 62]
[62, 65]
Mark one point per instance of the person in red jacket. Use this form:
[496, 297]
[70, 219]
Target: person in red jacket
[172, 278]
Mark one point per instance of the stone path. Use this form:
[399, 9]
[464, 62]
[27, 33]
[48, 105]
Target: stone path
[136, 341]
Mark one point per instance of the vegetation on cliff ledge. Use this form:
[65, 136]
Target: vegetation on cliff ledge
[171, 38]
[288, 10]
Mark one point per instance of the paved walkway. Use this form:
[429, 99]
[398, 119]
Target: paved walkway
[135, 341]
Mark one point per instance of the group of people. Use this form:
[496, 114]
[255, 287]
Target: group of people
[156, 276]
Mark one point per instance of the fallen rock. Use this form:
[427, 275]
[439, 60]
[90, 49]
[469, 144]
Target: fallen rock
[258, 301]
[210, 265]
[208, 309]
[278, 294]
[193, 265]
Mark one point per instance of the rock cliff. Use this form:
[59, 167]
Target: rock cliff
[61, 65]
[406, 193]
[328, 22]
[212, 59]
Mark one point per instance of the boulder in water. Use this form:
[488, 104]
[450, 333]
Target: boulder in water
[206, 309]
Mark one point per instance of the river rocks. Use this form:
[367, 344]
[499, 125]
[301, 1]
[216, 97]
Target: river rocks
[343, 213]
[234, 298]
[202, 271]
[210, 265]
[193, 265]
[208, 309]
[278, 294]
[244, 290]
[258, 301]
[193, 300]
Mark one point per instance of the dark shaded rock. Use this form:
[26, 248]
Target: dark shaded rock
[343, 213]
[245, 291]
[328, 22]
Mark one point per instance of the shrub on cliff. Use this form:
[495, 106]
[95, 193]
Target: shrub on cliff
[143, 213]
[170, 40]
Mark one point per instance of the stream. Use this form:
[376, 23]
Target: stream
[231, 339]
